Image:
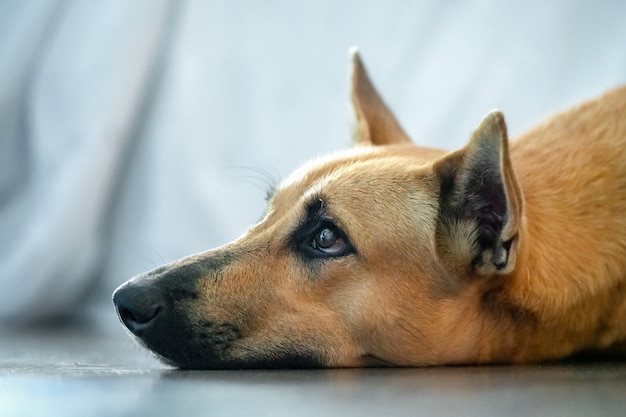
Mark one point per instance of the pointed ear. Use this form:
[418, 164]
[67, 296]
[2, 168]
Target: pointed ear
[481, 203]
[375, 124]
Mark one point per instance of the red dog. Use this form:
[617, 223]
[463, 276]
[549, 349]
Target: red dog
[394, 254]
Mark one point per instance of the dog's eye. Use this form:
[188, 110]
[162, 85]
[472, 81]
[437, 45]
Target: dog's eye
[329, 241]
[325, 240]
[319, 236]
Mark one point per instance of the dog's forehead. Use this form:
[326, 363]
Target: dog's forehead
[317, 168]
[371, 166]
[374, 180]
[362, 188]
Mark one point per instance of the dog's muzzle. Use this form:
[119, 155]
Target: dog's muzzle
[160, 309]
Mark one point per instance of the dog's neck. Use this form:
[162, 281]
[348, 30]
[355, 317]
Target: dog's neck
[563, 286]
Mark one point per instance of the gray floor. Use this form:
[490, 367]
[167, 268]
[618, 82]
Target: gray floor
[70, 371]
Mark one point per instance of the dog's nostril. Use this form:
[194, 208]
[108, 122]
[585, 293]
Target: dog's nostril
[137, 319]
[137, 307]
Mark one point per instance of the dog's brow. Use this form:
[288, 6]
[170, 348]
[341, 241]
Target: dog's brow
[314, 205]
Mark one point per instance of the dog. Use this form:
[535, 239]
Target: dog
[391, 254]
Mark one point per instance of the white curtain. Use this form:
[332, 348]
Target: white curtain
[136, 132]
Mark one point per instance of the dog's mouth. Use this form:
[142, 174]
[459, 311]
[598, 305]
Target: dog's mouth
[285, 360]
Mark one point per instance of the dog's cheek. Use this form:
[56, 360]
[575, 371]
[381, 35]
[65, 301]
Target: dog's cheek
[303, 326]
[284, 313]
[352, 303]
[388, 317]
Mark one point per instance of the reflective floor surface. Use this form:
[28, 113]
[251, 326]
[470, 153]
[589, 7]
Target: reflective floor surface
[76, 372]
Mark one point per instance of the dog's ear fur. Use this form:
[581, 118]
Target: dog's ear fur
[375, 123]
[480, 204]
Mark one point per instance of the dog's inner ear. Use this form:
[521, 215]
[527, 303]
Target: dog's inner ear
[375, 123]
[480, 203]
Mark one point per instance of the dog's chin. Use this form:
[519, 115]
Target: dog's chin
[186, 357]
[283, 361]
[209, 360]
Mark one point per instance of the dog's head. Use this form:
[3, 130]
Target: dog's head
[383, 254]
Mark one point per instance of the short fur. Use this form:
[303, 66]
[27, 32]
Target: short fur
[394, 254]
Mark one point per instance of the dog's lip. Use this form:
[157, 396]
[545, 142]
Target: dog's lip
[376, 361]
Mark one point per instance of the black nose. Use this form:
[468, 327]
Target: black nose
[138, 306]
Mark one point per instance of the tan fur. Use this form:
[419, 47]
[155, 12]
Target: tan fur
[497, 252]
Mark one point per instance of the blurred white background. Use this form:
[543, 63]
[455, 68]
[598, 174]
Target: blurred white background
[133, 133]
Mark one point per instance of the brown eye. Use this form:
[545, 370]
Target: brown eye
[328, 241]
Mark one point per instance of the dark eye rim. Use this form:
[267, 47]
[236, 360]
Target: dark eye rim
[317, 218]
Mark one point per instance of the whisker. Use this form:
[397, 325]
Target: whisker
[151, 261]
[259, 177]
